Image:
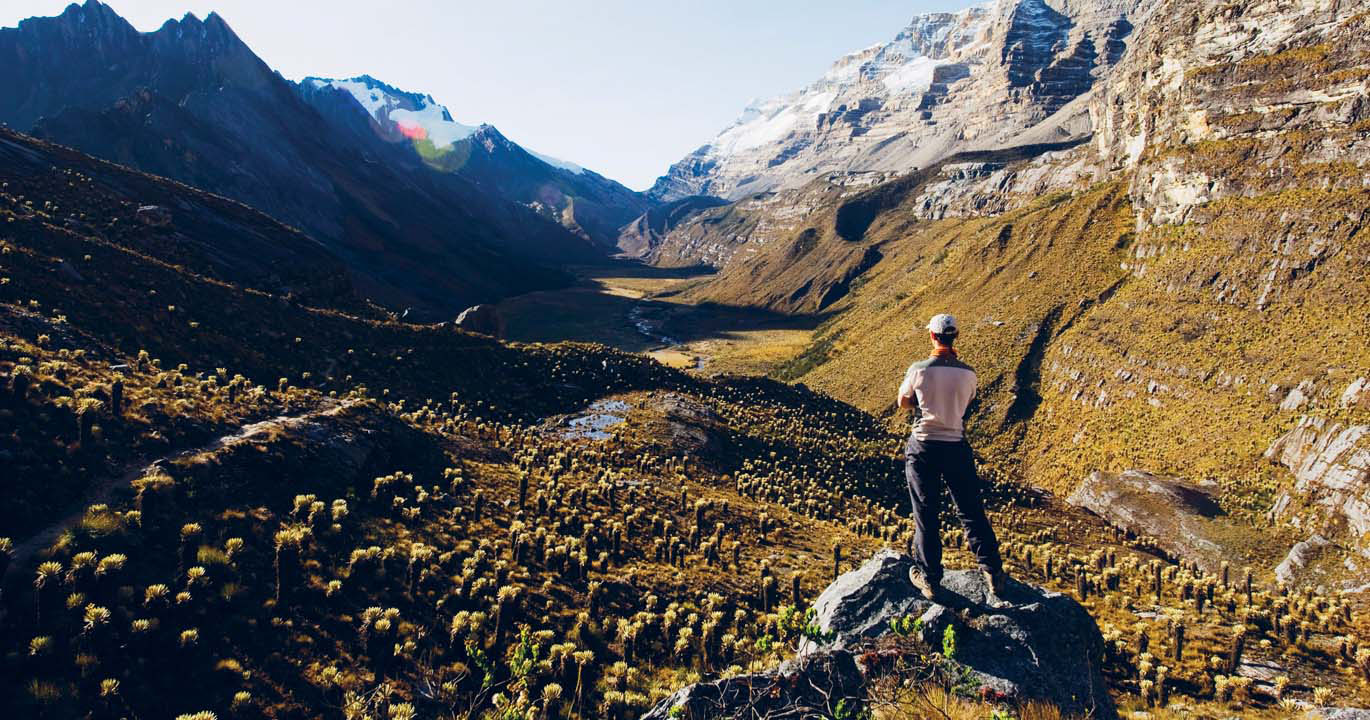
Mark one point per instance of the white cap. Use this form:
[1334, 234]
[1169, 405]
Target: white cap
[943, 324]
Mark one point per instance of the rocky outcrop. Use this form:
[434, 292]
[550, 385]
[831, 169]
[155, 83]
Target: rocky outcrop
[482, 319]
[1035, 645]
[1356, 395]
[153, 216]
[810, 686]
[643, 236]
[700, 231]
[990, 188]
[1032, 644]
[1181, 518]
[1303, 554]
[1330, 462]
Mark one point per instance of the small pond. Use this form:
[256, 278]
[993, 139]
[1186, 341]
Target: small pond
[595, 421]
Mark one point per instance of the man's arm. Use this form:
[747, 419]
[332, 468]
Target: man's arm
[974, 403]
[907, 397]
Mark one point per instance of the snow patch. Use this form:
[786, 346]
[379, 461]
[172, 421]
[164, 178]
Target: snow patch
[427, 120]
[557, 163]
[913, 75]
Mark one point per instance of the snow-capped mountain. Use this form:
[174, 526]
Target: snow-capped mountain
[564, 192]
[1000, 73]
[407, 115]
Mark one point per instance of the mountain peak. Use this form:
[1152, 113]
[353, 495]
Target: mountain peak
[92, 17]
[212, 28]
[90, 7]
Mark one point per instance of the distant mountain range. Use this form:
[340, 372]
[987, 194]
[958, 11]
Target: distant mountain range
[995, 75]
[426, 213]
[582, 201]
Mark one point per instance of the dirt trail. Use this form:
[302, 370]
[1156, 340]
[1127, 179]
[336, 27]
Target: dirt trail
[103, 490]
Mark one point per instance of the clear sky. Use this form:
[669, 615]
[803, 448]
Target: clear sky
[623, 87]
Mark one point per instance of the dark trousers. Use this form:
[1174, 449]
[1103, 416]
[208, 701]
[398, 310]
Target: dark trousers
[928, 465]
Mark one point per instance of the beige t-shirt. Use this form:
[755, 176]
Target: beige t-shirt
[942, 388]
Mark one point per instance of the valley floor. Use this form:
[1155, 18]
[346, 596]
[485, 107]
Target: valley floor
[637, 308]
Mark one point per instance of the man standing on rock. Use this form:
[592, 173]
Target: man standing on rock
[940, 390]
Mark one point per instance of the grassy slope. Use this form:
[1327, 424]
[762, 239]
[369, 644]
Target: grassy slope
[1117, 350]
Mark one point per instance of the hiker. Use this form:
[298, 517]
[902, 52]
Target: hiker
[940, 390]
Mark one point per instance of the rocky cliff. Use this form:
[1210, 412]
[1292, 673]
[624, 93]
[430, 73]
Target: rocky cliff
[1329, 498]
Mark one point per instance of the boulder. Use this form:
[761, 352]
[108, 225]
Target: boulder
[69, 272]
[1357, 394]
[1298, 397]
[1299, 558]
[681, 425]
[482, 319]
[1036, 645]
[811, 686]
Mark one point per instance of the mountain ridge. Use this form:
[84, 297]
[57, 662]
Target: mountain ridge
[192, 102]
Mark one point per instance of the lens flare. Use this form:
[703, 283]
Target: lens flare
[413, 131]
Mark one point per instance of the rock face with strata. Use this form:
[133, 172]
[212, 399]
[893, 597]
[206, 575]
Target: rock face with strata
[1036, 645]
[1330, 462]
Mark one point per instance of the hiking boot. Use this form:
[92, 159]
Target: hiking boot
[925, 586]
[997, 582]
